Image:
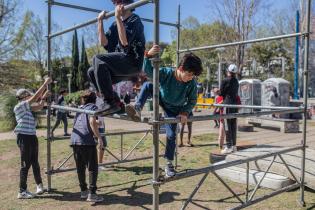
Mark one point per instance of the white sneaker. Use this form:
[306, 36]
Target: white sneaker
[101, 168]
[25, 195]
[84, 194]
[94, 198]
[169, 170]
[40, 189]
[227, 150]
[234, 148]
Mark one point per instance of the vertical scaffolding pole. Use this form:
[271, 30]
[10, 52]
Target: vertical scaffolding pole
[178, 36]
[156, 114]
[48, 142]
[296, 64]
[305, 95]
[177, 65]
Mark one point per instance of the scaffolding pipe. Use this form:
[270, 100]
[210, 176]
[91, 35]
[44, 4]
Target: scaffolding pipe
[305, 95]
[216, 167]
[49, 70]
[103, 164]
[156, 114]
[242, 42]
[264, 197]
[99, 11]
[72, 109]
[75, 6]
[94, 20]
[227, 116]
[178, 36]
[252, 106]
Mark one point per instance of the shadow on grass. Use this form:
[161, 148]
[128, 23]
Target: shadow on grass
[136, 198]
[120, 184]
[206, 145]
[136, 169]
[311, 207]
[133, 199]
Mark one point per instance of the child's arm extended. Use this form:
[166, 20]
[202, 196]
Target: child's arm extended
[39, 106]
[94, 126]
[40, 91]
[191, 100]
[148, 68]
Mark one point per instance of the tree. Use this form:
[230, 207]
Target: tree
[10, 34]
[264, 53]
[59, 73]
[33, 45]
[91, 40]
[168, 57]
[196, 34]
[84, 65]
[238, 14]
[74, 62]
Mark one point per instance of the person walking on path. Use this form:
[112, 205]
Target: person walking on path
[61, 114]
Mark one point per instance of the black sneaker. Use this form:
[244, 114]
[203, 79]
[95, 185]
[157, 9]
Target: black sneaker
[66, 134]
[108, 108]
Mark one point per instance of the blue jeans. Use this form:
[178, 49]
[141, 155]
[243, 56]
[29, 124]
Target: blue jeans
[145, 93]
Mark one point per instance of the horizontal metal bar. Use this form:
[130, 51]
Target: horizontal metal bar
[243, 42]
[127, 132]
[264, 197]
[72, 109]
[74, 6]
[104, 164]
[211, 168]
[94, 20]
[226, 116]
[161, 22]
[98, 11]
[252, 106]
[125, 117]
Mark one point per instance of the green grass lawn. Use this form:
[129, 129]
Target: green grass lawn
[127, 186]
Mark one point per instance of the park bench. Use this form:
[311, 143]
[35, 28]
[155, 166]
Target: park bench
[285, 125]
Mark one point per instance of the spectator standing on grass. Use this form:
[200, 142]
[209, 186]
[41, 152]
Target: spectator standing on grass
[83, 143]
[26, 136]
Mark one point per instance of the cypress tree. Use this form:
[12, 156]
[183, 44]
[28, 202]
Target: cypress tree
[82, 80]
[74, 62]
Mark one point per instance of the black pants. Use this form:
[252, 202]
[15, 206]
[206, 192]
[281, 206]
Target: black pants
[61, 117]
[28, 145]
[231, 128]
[111, 68]
[86, 157]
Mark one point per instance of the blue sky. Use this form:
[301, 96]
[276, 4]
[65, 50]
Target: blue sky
[65, 17]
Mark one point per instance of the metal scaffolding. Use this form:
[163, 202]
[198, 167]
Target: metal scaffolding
[156, 120]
